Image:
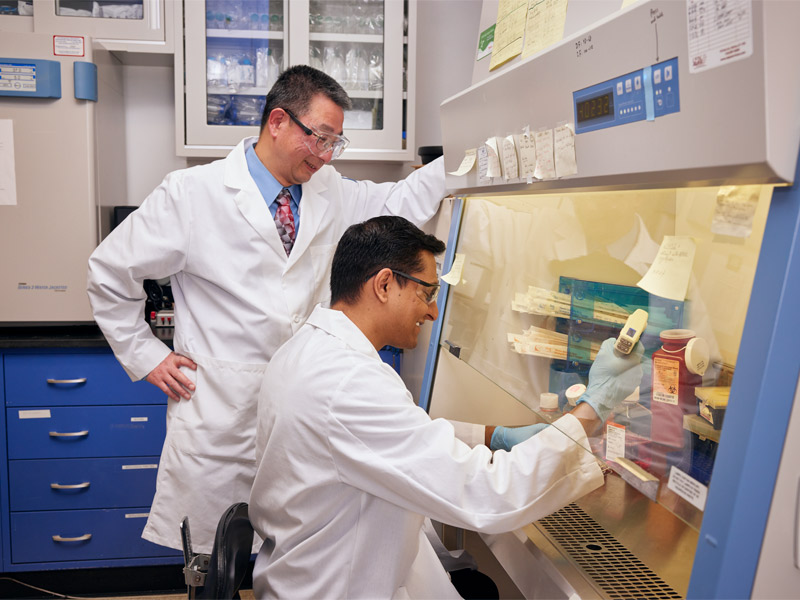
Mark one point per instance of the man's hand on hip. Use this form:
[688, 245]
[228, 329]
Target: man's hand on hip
[168, 377]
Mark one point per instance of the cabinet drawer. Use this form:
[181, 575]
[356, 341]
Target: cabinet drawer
[73, 379]
[85, 431]
[81, 483]
[81, 535]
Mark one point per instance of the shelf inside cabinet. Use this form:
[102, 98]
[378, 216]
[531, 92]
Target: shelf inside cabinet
[247, 34]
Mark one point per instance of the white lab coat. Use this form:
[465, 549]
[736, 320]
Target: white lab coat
[237, 299]
[349, 467]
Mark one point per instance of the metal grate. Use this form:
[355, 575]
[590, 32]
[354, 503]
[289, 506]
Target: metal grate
[609, 565]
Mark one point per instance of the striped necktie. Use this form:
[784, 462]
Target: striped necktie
[284, 220]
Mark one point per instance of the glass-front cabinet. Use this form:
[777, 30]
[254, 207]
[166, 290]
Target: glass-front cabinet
[234, 51]
[143, 23]
[599, 182]
[16, 15]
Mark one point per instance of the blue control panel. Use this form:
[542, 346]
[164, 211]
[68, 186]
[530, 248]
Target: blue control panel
[641, 95]
[30, 78]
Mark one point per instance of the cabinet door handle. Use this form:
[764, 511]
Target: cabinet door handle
[57, 381]
[75, 486]
[71, 434]
[81, 538]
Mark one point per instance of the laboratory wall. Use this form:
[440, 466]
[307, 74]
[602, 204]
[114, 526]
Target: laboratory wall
[446, 43]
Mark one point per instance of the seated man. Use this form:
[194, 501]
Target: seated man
[349, 466]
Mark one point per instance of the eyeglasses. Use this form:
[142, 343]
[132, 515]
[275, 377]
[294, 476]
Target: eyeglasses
[325, 142]
[428, 297]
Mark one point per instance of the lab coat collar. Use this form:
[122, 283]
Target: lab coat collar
[337, 324]
[313, 205]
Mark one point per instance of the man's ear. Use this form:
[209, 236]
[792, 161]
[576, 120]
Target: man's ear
[275, 119]
[381, 283]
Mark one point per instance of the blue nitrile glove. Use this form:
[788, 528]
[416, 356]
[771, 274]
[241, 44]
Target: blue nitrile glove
[612, 378]
[504, 438]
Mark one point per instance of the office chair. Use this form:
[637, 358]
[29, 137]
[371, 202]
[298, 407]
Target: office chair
[220, 574]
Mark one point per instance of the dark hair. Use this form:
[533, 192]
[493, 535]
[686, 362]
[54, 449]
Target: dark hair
[295, 88]
[368, 247]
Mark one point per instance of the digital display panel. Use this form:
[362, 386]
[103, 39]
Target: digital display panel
[596, 107]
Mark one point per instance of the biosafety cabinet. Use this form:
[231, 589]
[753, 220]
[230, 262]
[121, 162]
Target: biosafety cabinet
[646, 162]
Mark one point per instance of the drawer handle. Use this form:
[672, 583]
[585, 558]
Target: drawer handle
[75, 486]
[82, 538]
[71, 434]
[56, 381]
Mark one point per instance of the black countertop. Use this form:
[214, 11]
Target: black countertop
[62, 336]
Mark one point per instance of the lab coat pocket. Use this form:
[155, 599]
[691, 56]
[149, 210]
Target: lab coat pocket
[219, 420]
[321, 259]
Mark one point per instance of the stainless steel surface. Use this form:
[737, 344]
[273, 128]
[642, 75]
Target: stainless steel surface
[659, 539]
[79, 380]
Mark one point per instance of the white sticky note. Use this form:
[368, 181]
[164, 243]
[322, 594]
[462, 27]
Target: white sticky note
[688, 488]
[8, 177]
[564, 150]
[483, 165]
[669, 274]
[466, 163]
[719, 33]
[615, 441]
[453, 276]
[545, 163]
[510, 166]
[526, 149]
[735, 210]
[493, 168]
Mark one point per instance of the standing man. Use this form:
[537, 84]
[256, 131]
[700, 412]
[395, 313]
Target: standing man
[349, 466]
[247, 243]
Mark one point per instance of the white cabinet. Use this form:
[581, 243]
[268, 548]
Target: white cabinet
[125, 25]
[233, 51]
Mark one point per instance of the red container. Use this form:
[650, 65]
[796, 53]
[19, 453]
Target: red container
[673, 388]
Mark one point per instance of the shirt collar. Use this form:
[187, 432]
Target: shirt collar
[336, 323]
[265, 181]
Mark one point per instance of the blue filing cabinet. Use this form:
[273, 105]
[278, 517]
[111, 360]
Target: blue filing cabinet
[80, 461]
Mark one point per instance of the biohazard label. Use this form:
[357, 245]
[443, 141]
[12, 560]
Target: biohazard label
[666, 380]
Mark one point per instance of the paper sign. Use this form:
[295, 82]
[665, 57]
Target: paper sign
[493, 168]
[8, 177]
[483, 165]
[735, 210]
[453, 276]
[669, 274]
[688, 488]
[510, 167]
[485, 43]
[544, 25]
[526, 148]
[545, 162]
[467, 163]
[509, 31]
[719, 32]
[615, 441]
[564, 142]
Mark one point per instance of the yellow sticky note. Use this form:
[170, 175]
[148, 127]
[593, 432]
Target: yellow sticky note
[466, 163]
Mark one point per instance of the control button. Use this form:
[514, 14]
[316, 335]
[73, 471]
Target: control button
[628, 85]
[619, 88]
[667, 72]
[637, 82]
[657, 76]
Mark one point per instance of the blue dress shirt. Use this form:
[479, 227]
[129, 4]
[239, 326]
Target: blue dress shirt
[270, 187]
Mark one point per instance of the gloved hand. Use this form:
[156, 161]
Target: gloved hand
[612, 378]
[504, 438]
